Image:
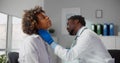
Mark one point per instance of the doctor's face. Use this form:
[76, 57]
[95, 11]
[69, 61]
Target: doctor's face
[71, 27]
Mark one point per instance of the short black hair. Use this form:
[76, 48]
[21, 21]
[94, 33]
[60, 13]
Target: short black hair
[78, 17]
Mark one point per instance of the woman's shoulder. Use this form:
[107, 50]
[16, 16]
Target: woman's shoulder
[31, 37]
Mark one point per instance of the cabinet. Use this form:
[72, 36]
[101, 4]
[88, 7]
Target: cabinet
[118, 42]
[111, 42]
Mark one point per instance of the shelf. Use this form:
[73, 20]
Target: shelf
[111, 42]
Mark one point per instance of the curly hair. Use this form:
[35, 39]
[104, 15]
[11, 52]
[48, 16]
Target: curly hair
[30, 20]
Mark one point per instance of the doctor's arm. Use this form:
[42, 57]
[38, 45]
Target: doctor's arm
[63, 53]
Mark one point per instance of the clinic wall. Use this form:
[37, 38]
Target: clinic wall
[110, 9]
[16, 7]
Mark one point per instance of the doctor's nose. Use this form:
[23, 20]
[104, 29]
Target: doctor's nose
[67, 27]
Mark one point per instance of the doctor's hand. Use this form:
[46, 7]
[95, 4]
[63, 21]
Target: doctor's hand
[45, 36]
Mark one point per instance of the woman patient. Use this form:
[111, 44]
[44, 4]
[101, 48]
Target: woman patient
[34, 49]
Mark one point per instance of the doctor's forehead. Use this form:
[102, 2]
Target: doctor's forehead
[69, 22]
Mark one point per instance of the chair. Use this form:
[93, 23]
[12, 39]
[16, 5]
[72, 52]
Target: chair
[115, 54]
[13, 57]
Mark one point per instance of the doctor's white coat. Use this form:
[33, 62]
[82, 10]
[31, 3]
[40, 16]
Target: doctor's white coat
[87, 48]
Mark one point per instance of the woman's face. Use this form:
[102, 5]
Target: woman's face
[43, 21]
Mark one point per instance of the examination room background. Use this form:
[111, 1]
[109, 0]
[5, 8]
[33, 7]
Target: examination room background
[110, 14]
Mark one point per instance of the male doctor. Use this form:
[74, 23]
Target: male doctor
[86, 48]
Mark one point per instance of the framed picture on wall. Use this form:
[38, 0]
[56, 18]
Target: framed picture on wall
[66, 13]
[99, 13]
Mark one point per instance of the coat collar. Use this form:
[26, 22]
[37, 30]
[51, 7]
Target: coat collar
[81, 30]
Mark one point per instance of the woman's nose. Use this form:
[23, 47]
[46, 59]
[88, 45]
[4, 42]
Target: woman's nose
[47, 17]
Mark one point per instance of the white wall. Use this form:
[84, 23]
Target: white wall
[16, 7]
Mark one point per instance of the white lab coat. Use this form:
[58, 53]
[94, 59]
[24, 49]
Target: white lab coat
[34, 50]
[87, 48]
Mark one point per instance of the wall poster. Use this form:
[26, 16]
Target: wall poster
[66, 13]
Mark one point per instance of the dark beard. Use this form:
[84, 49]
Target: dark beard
[72, 33]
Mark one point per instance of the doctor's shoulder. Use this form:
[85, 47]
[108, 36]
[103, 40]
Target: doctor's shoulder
[94, 35]
[87, 32]
[91, 34]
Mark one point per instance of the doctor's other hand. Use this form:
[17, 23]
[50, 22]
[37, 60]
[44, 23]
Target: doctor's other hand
[45, 36]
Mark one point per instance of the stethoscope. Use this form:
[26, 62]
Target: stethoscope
[74, 42]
